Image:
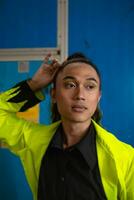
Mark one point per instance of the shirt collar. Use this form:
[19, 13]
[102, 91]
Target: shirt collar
[87, 146]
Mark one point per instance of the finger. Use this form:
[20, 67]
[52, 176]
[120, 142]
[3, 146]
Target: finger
[57, 65]
[55, 68]
[50, 62]
[46, 59]
[54, 61]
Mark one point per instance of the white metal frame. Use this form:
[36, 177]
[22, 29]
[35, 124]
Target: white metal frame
[60, 52]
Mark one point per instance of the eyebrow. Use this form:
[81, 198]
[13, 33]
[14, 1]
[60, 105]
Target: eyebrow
[71, 77]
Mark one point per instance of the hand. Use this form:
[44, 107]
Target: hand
[45, 74]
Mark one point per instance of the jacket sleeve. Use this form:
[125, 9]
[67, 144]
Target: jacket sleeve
[14, 131]
[130, 179]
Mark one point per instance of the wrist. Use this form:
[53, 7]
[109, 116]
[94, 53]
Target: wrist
[33, 85]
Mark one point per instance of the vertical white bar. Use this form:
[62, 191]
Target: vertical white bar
[62, 39]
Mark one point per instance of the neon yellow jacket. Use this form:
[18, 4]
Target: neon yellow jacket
[29, 141]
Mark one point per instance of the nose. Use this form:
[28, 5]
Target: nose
[80, 93]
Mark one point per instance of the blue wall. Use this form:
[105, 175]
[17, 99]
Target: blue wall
[28, 23]
[13, 183]
[104, 31]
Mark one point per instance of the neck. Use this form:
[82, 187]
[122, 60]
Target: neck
[74, 132]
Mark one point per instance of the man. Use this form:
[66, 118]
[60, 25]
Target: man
[73, 158]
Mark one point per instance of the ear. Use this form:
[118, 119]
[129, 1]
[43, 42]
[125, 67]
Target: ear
[53, 95]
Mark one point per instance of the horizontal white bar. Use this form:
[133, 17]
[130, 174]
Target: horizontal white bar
[27, 54]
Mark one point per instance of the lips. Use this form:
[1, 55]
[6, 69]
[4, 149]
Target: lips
[79, 108]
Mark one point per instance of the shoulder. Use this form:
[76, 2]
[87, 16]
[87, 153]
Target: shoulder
[112, 144]
[122, 154]
[42, 130]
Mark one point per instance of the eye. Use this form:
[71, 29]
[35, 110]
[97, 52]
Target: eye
[70, 85]
[90, 86]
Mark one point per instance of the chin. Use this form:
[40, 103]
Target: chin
[78, 119]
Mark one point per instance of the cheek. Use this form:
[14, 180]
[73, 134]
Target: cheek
[94, 97]
[93, 103]
[62, 103]
[61, 98]
[62, 94]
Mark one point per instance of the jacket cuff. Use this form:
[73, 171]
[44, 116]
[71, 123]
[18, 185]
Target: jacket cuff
[24, 93]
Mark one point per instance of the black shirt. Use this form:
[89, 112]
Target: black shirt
[73, 173]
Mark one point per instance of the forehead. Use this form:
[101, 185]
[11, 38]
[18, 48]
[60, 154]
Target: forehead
[78, 70]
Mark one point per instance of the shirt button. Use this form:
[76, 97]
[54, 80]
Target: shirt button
[62, 178]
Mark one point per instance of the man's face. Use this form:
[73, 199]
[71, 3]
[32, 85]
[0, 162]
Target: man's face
[77, 92]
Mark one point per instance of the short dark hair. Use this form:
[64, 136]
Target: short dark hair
[76, 57]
